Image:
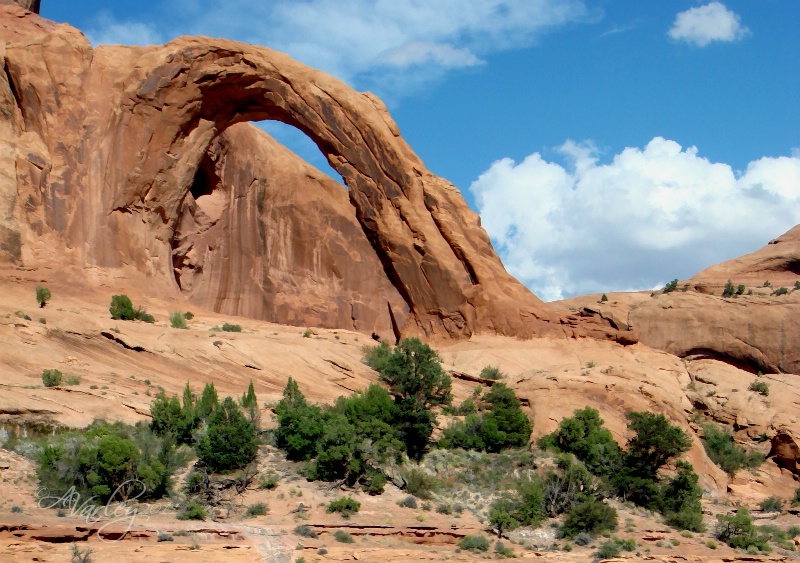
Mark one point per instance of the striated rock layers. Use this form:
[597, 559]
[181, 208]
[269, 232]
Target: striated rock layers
[126, 159]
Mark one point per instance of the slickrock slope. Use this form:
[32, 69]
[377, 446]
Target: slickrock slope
[108, 144]
[756, 331]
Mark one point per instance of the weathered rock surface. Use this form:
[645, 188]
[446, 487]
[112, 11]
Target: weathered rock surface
[756, 331]
[109, 143]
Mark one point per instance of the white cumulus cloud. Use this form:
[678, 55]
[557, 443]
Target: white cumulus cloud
[704, 24]
[648, 216]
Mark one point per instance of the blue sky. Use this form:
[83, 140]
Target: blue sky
[608, 145]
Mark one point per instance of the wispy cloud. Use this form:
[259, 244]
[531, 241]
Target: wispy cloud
[618, 29]
[107, 30]
[705, 24]
[650, 215]
[365, 42]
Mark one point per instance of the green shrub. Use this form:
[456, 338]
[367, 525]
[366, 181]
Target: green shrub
[603, 298]
[188, 315]
[740, 289]
[771, 504]
[163, 536]
[503, 426]
[230, 441]
[584, 435]
[177, 320]
[737, 530]
[408, 502]
[16, 509]
[796, 497]
[492, 372]
[80, 556]
[501, 518]
[444, 508]
[42, 295]
[51, 377]
[231, 328]
[193, 511]
[419, 483]
[344, 506]
[121, 309]
[474, 543]
[780, 291]
[761, 387]
[725, 453]
[671, 286]
[502, 550]
[258, 509]
[305, 531]
[268, 481]
[72, 380]
[730, 289]
[608, 550]
[377, 481]
[376, 356]
[343, 537]
[590, 516]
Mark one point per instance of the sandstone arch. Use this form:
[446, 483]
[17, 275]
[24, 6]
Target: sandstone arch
[114, 137]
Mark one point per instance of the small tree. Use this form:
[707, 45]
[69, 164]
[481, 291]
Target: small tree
[231, 441]
[417, 382]
[604, 298]
[42, 295]
[500, 516]
[730, 289]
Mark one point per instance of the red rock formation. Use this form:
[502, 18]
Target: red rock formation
[262, 234]
[108, 143]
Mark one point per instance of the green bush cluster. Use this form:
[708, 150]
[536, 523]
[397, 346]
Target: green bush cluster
[725, 453]
[760, 387]
[343, 537]
[110, 462]
[51, 377]
[345, 506]
[476, 544]
[121, 309]
[732, 291]
[229, 442]
[502, 425]
[348, 441]
[738, 530]
[614, 547]
[492, 372]
[177, 320]
[355, 437]
[193, 511]
[633, 473]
